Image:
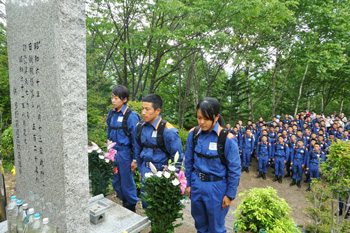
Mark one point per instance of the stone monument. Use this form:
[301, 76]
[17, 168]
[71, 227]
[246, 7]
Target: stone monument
[47, 64]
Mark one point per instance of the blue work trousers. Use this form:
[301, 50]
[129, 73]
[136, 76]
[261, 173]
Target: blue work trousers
[123, 181]
[297, 170]
[206, 205]
[246, 157]
[263, 163]
[314, 171]
[279, 165]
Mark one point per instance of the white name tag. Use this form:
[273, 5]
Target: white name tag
[120, 119]
[213, 146]
[154, 134]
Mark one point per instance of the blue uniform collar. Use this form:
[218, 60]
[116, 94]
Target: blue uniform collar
[156, 122]
[215, 129]
[122, 109]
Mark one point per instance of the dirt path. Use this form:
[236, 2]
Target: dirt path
[294, 196]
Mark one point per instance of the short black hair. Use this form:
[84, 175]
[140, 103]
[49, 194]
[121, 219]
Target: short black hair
[210, 108]
[122, 92]
[155, 99]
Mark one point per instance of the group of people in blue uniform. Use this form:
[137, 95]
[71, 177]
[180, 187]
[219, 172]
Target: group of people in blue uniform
[296, 145]
[215, 155]
[212, 162]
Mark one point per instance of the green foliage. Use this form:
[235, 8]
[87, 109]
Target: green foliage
[100, 172]
[5, 105]
[261, 208]
[325, 193]
[164, 201]
[136, 106]
[6, 147]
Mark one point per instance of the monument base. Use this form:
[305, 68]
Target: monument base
[117, 219]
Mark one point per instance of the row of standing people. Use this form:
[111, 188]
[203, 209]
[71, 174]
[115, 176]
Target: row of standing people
[285, 145]
[211, 183]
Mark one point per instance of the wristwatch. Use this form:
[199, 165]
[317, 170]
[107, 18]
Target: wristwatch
[230, 198]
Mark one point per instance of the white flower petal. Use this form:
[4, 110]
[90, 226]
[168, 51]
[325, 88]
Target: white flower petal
[159, 174]
[166, 174]
[172, 168]
[175, 182]
[99, 150]
[148, 174]
[101, 156]
[107, 160]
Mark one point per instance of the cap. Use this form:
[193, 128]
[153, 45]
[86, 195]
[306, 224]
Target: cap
[13, 198]
[19, 202]
[46, 221]
[31, 211]
[25, 206]
[278, 116]
[37, 215]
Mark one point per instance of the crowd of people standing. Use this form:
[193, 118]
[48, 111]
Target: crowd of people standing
[293, 146]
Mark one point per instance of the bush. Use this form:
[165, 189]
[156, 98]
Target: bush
[6, 148]
[261, 208]
[325, 193]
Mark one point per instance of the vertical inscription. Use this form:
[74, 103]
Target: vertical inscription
[28, 109]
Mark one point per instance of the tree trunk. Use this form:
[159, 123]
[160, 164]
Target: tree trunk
[341, 102]
[249, 101]
[282, 90]
[300, 90]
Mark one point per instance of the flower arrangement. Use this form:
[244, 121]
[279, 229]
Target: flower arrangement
[101, 165]
[163, 192]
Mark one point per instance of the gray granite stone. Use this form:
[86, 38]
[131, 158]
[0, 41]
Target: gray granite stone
[47, 64]
[119, 219]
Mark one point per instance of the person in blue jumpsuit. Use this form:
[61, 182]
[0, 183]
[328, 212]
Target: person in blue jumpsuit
[210, 184]
[315, 158]
[298, 160]
[123, 179]
[280, 157]
[263, 155]
[246, 147]
[146, 148]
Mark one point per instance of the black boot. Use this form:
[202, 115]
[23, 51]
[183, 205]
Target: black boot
[275, 179]
[243, 169]
[260, 175]
[293, 182]
[306, 179]
[264, 176]
[309, 188]
[280, 179]
[131, 208]
[287, 175]
[298, 184]
[247, 169]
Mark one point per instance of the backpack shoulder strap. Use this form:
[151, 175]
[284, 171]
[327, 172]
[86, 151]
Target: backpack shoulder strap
[160, 138]
[109, 117]
[139, 131]
[221, 146]
[195, 136]
[125, 123]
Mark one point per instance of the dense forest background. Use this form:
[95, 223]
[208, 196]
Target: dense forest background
[258, 57]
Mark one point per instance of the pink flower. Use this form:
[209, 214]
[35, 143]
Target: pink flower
[92, 148]
[110, 155]
[183, 181]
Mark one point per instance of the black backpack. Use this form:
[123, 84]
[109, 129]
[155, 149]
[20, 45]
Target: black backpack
[124, 126]
[220, 145]
[160, 138]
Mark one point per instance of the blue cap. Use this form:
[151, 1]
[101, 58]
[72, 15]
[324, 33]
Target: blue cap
[278, 116]
[19, 202]
[13, 197]
[37, 215]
